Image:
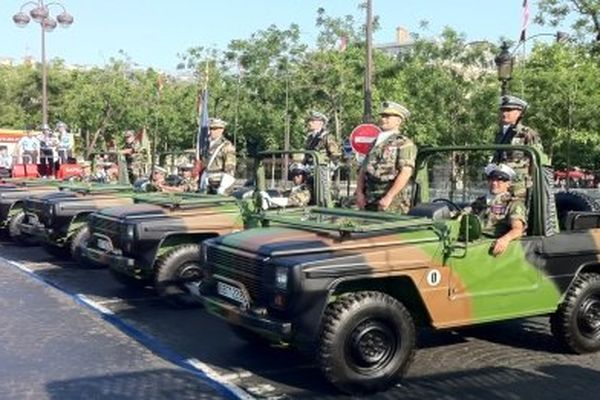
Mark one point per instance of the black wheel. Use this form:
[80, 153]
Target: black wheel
[576, 323]
[367, 342]
[79, 241]
[14, 230]
[174, 269]
[61, 253]
[573, 201]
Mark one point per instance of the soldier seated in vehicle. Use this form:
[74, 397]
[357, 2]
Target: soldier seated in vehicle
[188, 182]
[157, 183]
[503, 215]
[298, 196]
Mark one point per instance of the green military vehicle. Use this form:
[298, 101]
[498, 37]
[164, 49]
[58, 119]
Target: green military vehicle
[352, 287]
[159, 243]
[59, 221]
[12, 197]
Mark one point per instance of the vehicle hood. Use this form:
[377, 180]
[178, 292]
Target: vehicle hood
[132, 211]
[281, 241]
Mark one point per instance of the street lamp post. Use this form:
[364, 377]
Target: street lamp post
[40, 13]
[504, 61]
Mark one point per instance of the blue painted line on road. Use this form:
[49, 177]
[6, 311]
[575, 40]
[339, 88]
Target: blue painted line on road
[193, 366]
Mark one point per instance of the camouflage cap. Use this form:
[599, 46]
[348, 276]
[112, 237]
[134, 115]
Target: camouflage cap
[216, 123]
[317, 116]
[512, 103]
[500, 171]
[392, 108]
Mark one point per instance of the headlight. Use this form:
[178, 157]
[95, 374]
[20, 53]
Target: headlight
[50, 214]
[204, 254]
[281, 278]
[127, 236]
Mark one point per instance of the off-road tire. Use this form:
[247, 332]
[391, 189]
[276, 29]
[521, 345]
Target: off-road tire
[573, 201]
[576, 322]
[181, 263]
[367, 342]
[15, 232]
[61, 253]
[78, 241]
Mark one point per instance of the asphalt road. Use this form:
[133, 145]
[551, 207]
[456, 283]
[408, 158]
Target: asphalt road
[515, 360]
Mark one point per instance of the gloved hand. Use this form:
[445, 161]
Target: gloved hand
[268, 201]
[226, 181]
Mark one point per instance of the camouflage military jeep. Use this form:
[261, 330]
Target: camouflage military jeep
[12, 197]
[159, 243]
[354, 286]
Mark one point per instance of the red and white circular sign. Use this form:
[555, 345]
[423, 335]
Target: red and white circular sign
[363, 137]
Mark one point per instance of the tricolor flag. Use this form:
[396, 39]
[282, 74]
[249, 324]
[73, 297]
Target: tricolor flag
[202, 140]
[525, 21]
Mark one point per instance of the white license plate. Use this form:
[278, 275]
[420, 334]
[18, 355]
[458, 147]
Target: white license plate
[231, 292]
[104, 244]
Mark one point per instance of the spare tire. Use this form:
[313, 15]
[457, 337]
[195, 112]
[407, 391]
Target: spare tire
[573, 201]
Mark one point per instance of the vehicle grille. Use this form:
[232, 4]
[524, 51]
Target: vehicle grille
[105, 226]
[244, 270]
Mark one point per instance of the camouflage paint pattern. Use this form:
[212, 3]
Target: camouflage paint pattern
[382, 165]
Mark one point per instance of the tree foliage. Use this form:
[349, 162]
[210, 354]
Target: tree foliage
[265, 85]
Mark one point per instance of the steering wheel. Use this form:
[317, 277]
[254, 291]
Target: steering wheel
[453, 205]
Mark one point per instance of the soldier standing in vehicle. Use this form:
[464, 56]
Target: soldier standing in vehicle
[218, 175]
[503, 215]
[320, 140]
[383, 178]
[132, 152]
[514, 132]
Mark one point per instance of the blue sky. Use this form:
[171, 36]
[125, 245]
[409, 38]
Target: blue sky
[153, 32]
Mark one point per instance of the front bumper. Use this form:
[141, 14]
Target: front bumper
[35, 229]
[278, 331]
[118, 262]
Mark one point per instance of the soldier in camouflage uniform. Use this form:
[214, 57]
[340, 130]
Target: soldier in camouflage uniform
[319, 139]
[298, 196]
[188, 182]
[218, 175]
[514, 132]
[502, 214]
[384, 175]
[132, 151]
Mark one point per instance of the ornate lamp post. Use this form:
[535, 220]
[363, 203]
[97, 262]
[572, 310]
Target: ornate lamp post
[40, 13]
[504, 62]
